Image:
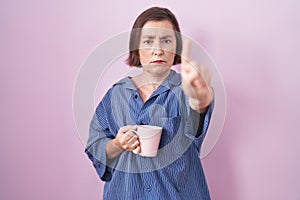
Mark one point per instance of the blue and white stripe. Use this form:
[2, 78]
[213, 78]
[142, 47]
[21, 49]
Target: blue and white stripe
[176, 172]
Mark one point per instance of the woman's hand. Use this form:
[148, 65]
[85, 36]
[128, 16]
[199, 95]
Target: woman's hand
[195, 81]
[125, 140]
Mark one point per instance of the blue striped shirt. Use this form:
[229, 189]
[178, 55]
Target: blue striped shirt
[176, 172]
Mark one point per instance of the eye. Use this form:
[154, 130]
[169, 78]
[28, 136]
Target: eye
[166, 41]
[147, 42]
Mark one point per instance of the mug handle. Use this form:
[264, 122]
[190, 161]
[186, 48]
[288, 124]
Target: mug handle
[135, 133]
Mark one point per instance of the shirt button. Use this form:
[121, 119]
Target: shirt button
[136, 96]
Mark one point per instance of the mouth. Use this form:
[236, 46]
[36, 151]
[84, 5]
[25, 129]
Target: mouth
[158, 62]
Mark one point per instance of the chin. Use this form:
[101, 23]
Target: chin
[160, 69]
[157, 68]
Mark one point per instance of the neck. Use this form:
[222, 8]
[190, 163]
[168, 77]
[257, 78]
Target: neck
[156, 79]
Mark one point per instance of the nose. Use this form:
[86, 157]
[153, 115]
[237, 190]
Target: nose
[157, 50]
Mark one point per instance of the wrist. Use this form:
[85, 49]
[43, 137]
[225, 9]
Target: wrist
[201, 105]
[116, 144]
[112, 149]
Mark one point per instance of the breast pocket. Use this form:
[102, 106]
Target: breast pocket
[174, 142]
[171, 127]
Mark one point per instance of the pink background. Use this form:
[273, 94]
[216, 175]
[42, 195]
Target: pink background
[255, 45]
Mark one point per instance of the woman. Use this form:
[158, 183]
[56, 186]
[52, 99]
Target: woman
[180, 103]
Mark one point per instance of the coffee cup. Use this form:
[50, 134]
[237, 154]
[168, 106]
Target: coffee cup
[149, 137]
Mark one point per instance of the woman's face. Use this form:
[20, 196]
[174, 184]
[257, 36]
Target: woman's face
[157, 47]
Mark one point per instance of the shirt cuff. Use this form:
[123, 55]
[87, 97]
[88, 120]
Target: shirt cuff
[103, 166]
[199, 123]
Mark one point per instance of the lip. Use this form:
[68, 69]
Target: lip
[158, 61]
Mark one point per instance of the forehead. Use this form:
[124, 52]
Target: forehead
[164, 27]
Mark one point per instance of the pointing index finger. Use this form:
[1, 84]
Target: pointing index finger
[186, 51]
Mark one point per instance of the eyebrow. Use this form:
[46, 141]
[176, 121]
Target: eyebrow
[152, 37]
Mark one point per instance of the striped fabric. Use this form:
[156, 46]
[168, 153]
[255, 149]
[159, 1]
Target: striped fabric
[176, 172]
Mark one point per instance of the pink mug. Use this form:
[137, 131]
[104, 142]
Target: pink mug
[149, 137]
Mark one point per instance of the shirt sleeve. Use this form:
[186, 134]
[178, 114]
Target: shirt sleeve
[99, 136]
[199, 123]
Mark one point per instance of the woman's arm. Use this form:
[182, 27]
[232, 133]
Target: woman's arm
[195, 81]
[103, 145]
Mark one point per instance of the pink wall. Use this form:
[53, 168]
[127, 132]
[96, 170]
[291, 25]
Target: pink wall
[255, 45]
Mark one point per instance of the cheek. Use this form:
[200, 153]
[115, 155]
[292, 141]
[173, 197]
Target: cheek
[143, 55]
[170, 54]
[171, 57]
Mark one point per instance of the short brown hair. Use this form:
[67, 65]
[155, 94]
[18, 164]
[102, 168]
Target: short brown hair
[152, 14]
